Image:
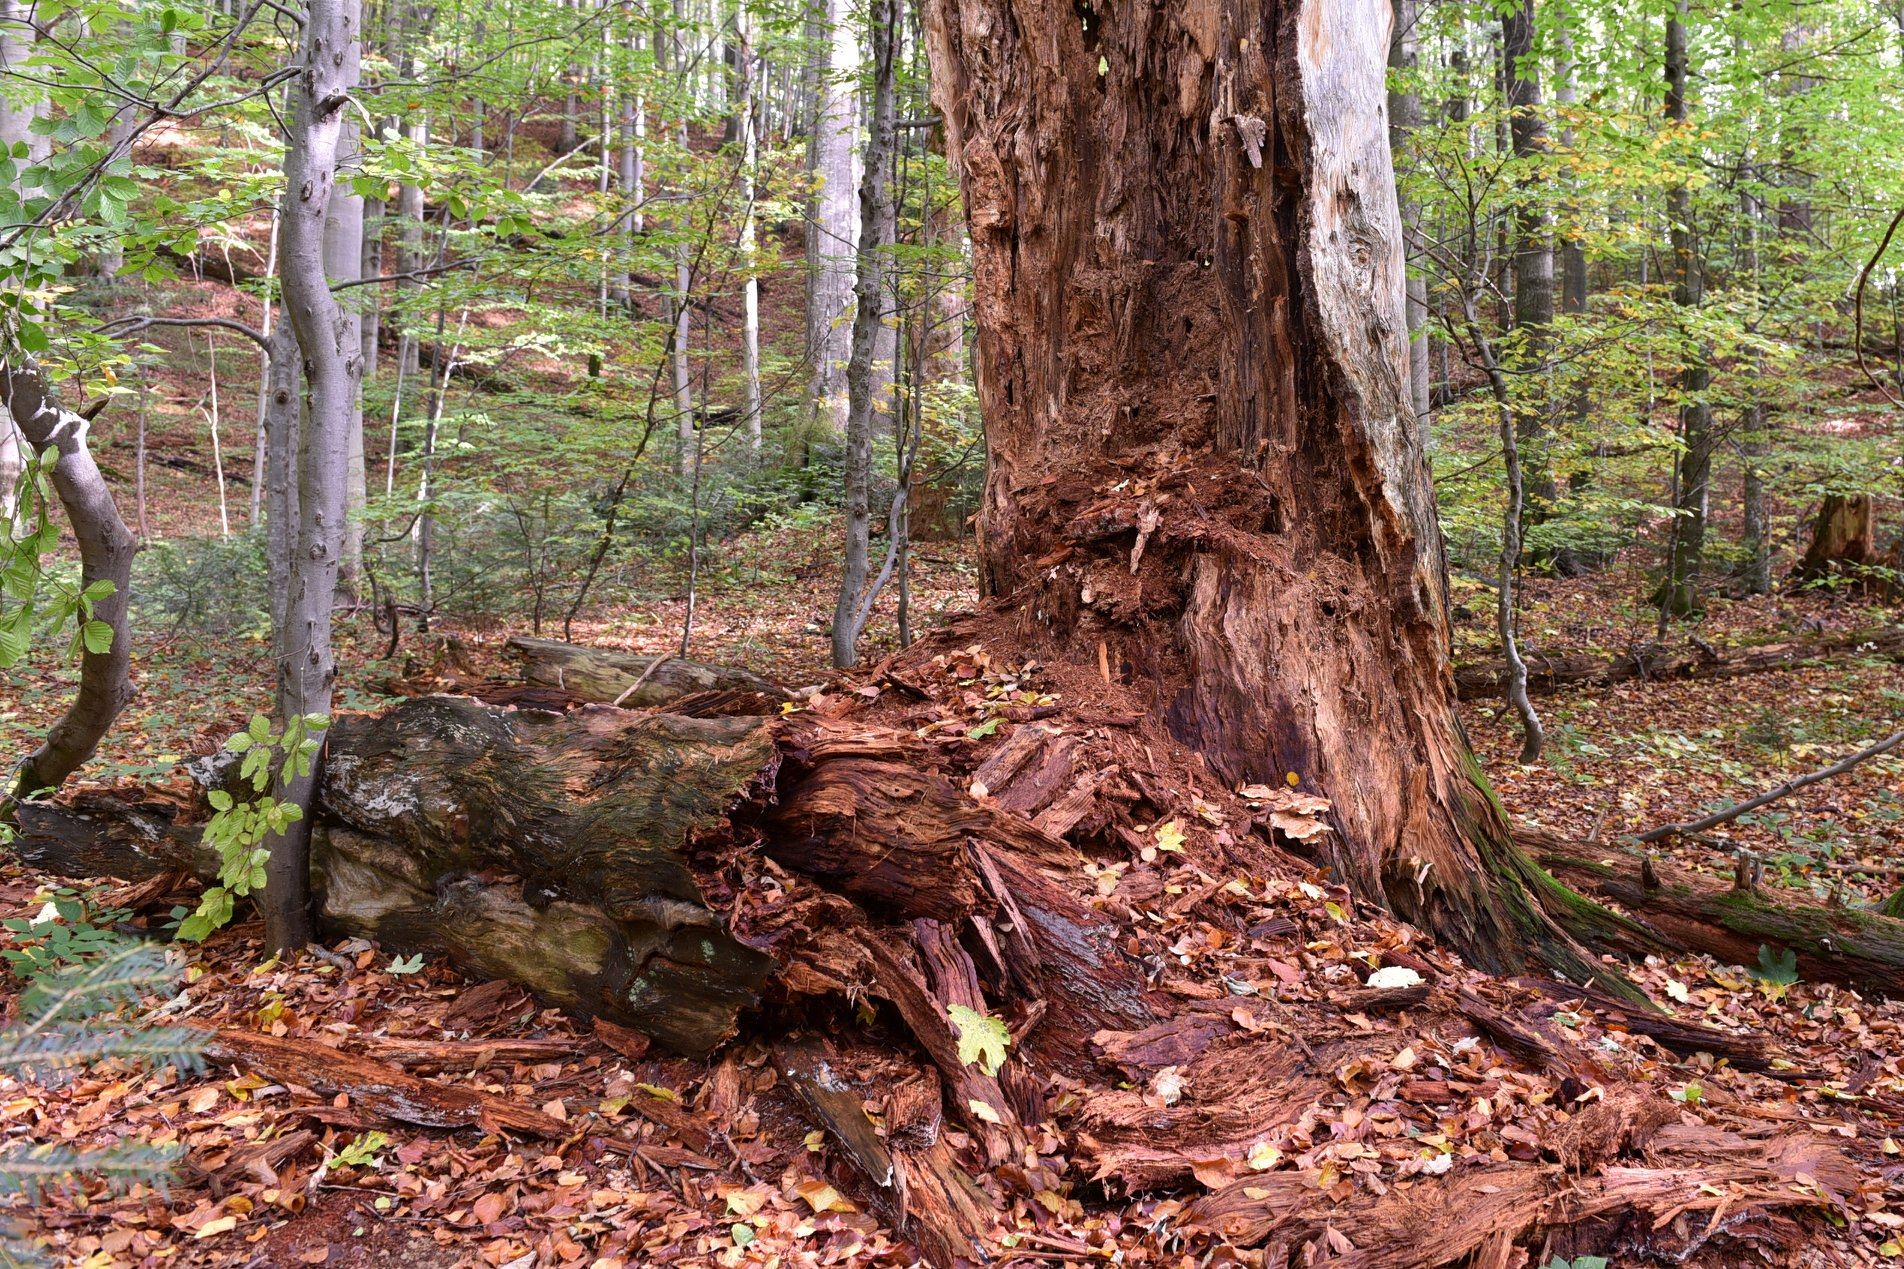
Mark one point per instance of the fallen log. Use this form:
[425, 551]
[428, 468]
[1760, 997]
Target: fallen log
[463, 1055]
[1859, 947]
[606, 675]
[1726, 815]
[1697, 659]
[562, 852]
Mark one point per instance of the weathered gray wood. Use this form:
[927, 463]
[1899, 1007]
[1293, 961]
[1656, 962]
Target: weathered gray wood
[602, 675]
[549, 849]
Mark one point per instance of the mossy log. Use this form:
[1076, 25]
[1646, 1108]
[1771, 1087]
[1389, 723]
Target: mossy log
[574, 853]
[604, 675]
[1695, 660]
[1859, 947]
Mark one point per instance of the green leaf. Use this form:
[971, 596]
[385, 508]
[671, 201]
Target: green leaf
[405, 965]
[98, 636]
[983, 1039]
[984, 729]
[1780, 968]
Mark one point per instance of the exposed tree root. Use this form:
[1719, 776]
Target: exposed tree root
[1664, 1192]
[1696, 660]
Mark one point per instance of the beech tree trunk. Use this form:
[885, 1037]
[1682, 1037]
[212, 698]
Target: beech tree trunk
[332, 350]
[1692, 484]
[830, 235]
[875, 225]
[1193, 368]
[1404, 116]
[344, 262]
[1533, 255]
[106, 548]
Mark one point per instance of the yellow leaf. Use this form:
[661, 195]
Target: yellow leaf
[745, 1202]
[1263, 1156]
[223, 1225]
[983, 1110]
[822, 1197]
[1170, 836]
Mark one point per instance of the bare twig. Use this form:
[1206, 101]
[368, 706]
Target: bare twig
[1733, 812]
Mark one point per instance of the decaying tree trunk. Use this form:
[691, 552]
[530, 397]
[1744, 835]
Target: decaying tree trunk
[563, 852]
[1205, 469]
[607, 676]
[1694, 660]
[1844, 536]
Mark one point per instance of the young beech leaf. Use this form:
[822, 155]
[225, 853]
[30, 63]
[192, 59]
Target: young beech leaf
[983, 1039]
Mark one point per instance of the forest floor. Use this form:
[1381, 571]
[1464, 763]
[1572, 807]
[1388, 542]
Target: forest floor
[666, 1161]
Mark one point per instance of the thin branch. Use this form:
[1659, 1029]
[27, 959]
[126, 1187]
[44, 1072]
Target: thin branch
[131, 325]
[1786, 789]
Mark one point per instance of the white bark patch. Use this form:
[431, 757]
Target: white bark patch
[1355, 235]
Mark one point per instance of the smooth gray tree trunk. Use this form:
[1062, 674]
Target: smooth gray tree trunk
[343, 263]
[1533, 255]
[1692, 488]
[332, 349]
[747, 114]
[1404, 117]
[831, 216]
[106, 548]
[875, 210]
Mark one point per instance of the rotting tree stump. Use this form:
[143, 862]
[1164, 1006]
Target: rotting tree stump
[603, 675]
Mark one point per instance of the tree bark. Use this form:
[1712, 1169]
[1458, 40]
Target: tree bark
[344, 262]
[1692, 485]
[831, 221]
[283, 410]
[106, 548]
[1192, 363]
[869, 291]
[1533, 256]
[747, 112]
[331, 346]
[605, 675]
[1404, 117]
